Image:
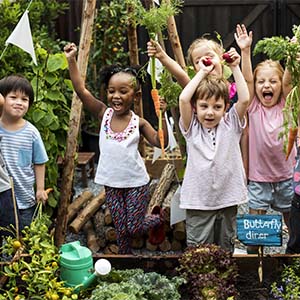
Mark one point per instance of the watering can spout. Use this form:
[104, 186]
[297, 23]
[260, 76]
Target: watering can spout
[102, 267]
[76, 266]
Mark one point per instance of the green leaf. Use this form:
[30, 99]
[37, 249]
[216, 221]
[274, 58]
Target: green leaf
[50, 78]
[57, 61]
[37, 115]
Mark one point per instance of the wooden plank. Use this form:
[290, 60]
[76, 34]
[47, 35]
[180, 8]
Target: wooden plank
[264, 230]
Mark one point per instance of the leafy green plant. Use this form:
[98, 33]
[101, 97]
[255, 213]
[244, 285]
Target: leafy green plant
[169, 89]
[283, 49]
[134, 284]
[288, 286]
[34, 275]
[50, 110]
[210, 271]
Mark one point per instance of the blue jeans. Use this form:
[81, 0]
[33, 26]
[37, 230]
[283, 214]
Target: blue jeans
[7, 215]
[26, 216]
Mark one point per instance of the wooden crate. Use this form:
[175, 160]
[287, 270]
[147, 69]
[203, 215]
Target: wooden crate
[155, 169]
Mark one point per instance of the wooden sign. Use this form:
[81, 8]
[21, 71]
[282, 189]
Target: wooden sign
[264, 230]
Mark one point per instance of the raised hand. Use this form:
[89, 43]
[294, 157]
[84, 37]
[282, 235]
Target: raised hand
[242, 37]
[70, 50]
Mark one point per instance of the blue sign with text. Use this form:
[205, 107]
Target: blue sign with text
[262, 230]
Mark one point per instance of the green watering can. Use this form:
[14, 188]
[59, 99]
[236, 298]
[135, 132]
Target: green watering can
[76, 266]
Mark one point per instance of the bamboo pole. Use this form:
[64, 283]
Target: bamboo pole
[74, 124]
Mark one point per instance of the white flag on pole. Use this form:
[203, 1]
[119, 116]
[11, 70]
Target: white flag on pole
[21, 36]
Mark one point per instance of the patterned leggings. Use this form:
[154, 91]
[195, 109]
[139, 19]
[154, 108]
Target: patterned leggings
[128, 208]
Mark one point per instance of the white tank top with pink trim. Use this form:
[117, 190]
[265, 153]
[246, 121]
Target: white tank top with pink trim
[120, 163]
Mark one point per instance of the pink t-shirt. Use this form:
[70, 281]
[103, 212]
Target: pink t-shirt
[214, 176]
[266, 156]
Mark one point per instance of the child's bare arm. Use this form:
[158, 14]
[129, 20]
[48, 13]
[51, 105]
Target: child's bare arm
[185, 107]
[287, 76]
[41, 194]
[154, 49]
[241, 85]
[244, 41]
[95, 106]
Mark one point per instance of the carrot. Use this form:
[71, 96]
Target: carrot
[49, 190]
[162, 141]
[291, 139]
[155, 98]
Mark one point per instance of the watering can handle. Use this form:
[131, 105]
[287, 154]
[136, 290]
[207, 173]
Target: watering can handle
[76, 246]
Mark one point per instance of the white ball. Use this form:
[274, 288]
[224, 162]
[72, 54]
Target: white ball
[102, 266]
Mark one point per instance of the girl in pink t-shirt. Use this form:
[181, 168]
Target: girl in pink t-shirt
[270, 175]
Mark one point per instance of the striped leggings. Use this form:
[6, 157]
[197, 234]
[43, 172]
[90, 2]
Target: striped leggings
[128, 209]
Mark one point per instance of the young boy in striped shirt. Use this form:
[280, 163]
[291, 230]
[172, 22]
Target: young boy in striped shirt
[22, 148]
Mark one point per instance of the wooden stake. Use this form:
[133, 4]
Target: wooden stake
[74, 124]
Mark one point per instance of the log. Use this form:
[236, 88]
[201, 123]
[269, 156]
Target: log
[165, 245]
[179, 232]
[170, 194]
[167, 177]
[111, 249]
[92, 239]
[99, 225]
[167, 202]
[110, 234]
[150, 246]
[137, 243]
[78, 203]
[87, 212]
[107, 217]
[176, 245]
[74, 124]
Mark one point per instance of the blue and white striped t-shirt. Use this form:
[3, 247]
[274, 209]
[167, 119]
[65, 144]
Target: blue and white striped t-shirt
[21, 150]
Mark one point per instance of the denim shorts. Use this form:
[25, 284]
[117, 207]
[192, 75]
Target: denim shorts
[275, 195]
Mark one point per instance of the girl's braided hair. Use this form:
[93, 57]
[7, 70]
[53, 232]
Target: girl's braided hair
[108, 71]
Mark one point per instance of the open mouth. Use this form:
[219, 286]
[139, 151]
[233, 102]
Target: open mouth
[268, 96]
[117, 104]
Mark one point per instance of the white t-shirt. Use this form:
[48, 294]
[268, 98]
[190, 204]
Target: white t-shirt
[120, 163]
[214, 176]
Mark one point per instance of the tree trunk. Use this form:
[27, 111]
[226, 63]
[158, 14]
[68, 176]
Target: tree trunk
[74, 124]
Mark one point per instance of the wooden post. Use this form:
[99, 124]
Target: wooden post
[179, 57]
[134, 61]
[74, 124]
